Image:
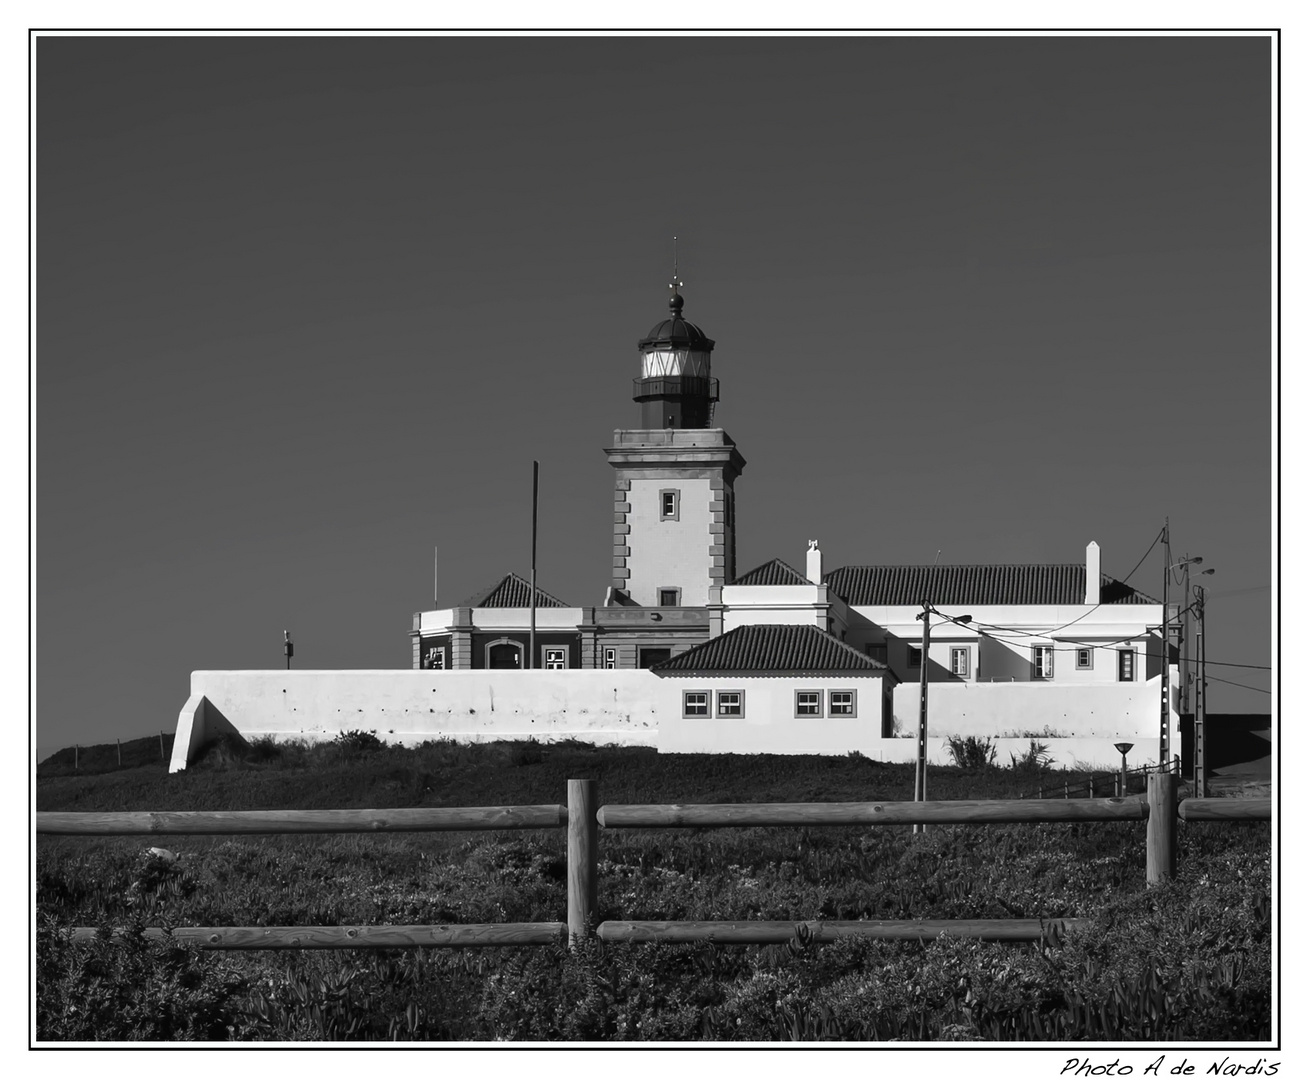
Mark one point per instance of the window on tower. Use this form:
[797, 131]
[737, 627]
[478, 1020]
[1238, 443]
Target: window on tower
[669, 504]
[669, 597]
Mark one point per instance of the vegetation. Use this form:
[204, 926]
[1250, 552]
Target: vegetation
[1188, 960]
[972, 752]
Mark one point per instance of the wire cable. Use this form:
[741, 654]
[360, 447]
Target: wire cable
[1162, 534]
[1229, 682]
[1223, 663]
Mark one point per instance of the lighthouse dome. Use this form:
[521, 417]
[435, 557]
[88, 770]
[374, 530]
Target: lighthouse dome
[676, 332]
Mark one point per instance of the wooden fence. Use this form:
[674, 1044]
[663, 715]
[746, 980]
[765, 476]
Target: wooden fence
[1160, 809]
[1116, 782]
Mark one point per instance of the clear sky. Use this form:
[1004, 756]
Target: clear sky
[308, 308]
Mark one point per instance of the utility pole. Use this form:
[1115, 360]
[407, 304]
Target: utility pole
[532, 600]
[1198, 765]
[1164, 654]
[288, 649]
[1184, 614]
[921, 758]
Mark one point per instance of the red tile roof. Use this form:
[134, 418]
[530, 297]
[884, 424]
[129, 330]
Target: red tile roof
[987, 584]
[773, 648]
[512, 591]
[773, 572]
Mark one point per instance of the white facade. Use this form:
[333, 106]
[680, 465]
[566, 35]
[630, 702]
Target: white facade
[767, 721]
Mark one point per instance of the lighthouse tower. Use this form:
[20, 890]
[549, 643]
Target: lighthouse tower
[674, 512]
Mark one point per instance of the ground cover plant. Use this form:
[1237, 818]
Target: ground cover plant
[1186, 960]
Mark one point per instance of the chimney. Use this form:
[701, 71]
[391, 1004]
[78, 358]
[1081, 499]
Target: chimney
[1093, 595]
[814, 563]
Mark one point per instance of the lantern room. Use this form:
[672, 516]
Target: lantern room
[675, 389]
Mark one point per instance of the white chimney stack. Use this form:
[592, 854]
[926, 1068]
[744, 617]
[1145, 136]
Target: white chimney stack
[814, 563]
[1093, 574]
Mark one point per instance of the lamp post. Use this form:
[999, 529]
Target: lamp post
[1164, 654]
[1123, 748]
[921, 759]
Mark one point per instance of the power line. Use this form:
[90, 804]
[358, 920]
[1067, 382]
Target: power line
[1215, 678]
[1158, 536]
[1222, 663]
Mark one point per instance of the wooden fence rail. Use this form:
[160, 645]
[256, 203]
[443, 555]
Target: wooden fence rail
[355, 937]
[961, 812]
[1160, 809]
[1226, 809]
[214, 822]
[773, 932]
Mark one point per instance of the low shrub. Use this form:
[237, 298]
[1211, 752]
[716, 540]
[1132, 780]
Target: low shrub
[358, 742]
[1036, 758]
[131, 989]
[971, 752]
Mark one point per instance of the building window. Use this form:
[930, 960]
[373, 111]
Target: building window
[649, 657]
[1084, 660]
[732, 703]
[611, 658]
[554, 658]
[841, 703]
[877, 652]
[1043, 661]
[809, 703]
[670, 597]
[695, 703]
[436, 658]
[1127, 664]
[960, 661]
[669, 504]
[913, 656]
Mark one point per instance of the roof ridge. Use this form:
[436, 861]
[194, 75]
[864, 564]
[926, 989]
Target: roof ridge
[478, 599]
[770, 562]
[944, 566]
[716, 644]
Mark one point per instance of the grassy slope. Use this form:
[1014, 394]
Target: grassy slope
[1217, 914]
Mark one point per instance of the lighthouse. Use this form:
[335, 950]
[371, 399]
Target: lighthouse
[674, 503]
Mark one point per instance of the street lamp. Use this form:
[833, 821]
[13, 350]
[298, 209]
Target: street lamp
[1123, 748]
[921, 760]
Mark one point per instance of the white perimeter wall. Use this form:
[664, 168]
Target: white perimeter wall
[413, 706]
[638, 708]
[1078, 723]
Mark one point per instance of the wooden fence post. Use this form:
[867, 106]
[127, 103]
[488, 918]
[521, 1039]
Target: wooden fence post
[582, 829]
[1091, 787]
[1161, 827]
